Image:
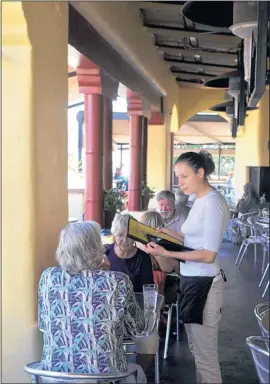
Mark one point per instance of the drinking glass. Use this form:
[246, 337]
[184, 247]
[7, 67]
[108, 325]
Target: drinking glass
[150, 295]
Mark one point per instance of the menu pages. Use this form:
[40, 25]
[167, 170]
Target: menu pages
[144, 234]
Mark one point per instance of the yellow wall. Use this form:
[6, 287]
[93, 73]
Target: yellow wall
[34, 171]
[157, 157]
[194, 100]
[252, 144]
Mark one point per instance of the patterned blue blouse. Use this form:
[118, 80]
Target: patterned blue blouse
[84, 318]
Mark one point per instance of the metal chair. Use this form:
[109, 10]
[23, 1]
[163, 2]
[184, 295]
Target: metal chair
[242, 227]
[260, 355]
[255, 239]
[170, 308]
[38, 374]
[259, 311]
[262, 279]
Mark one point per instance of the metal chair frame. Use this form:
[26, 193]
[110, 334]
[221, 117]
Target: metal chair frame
[78, 378]
[257, 351]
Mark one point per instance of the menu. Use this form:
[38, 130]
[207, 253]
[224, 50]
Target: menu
[144, 234]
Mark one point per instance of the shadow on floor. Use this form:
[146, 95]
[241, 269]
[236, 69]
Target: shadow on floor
[238, 322]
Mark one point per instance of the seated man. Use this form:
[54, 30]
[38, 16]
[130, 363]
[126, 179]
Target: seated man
[174, 219]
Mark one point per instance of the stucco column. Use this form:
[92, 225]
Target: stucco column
[137, 111]
[135, 174]
[144, 148]
[34, 168]
[107, 143]
[93, 133]
[80, 119]
[159, 147]
[89, 80]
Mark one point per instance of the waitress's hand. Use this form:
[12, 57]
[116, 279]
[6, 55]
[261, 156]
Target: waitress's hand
[170, 232]
[156, 250]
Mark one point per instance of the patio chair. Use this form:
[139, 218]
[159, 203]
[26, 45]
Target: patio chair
[265, 275]
[260, 355]
[242, 226]
[259, 310]
[169, 307]
[41, 376]
[255, 239]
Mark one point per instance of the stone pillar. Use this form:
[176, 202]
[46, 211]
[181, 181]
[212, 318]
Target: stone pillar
[137, 111]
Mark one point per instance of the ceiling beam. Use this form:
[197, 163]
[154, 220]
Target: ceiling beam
[203, 36]
[203, 66]
[192, 52]
[202, 132]
[191, 75]
[158, 6]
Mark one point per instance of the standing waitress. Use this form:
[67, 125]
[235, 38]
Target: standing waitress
[201, 281]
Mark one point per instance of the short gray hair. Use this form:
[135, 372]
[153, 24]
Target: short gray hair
[120, 223]
[152, 219]
[80, 247]
[180, 197]
[166, 195]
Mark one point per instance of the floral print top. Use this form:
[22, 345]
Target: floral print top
[84, 318]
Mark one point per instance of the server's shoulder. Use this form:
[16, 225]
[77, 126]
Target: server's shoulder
[215, 198]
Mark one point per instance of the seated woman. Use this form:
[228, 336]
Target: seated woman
[125, 257]
[82, 314]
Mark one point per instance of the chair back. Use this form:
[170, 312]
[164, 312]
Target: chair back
[265, 323]
[259, 311]
[260, 356]
[41, 376]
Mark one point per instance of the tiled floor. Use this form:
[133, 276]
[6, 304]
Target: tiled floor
[238, 322]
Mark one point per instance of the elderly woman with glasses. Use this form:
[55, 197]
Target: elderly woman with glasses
[125, 257]
[85, 309]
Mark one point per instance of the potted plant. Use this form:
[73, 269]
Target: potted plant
[147, 193]
[113, 203]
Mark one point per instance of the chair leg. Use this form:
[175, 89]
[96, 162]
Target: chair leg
[157, 379]
[177, 321]
[34, 379]
[243, 254]
[264, 256]
[255, 254]
[267, 286]
[169, 320]
[239, 253]
[264, 274]
[237, 234]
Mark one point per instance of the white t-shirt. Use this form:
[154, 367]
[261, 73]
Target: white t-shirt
[204, 228]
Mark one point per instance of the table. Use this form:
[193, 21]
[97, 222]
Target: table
[265, 322]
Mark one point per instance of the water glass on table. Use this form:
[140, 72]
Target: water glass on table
[150, 295]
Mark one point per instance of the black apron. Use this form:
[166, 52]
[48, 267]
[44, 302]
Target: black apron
[193, 295]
